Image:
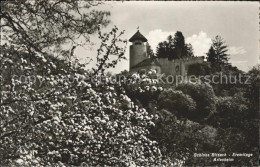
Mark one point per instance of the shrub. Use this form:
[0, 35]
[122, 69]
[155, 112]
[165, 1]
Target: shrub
[204, 97]
[177, 102]
[199, 69]
[231, 112]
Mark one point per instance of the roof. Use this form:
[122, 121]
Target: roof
[138, 36]
[147, 62]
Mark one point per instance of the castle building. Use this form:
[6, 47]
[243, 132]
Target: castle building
[140, 60]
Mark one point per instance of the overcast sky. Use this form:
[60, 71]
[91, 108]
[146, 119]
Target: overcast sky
[236, 22]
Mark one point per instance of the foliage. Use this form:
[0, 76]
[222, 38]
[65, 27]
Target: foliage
[178, 40]
[220, 49]
[150, 52]
[172, 136]
[203, 95]
[231, 111]
[142, 87]
[105, 51]
[212, 57]
[182, 138]
[252, 89]
[217, 53]
[188, 50]
[179, 137]
[199, 69]
[52, 114]
[70, 123]
[228, 81]
[174, 47]
[79, 128]
[164, 49]
[222, 124]
[46, 27]
[177, 103]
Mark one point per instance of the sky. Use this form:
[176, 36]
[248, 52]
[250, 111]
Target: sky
[236, 22]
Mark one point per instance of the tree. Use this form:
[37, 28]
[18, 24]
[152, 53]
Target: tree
[232, 112]
[55, 116]
[150, 51]
[252, 88]
[203, 95]
[218, 51]
[188, 50]
[174, 47]
[164, 50]
[52, 25]
[177, 102]
[179, 41]
[198, 69]
[179, 139]
[223, 124]
[212, 57]
[88, 128]
[179, 44]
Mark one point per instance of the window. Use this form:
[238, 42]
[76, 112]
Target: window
[186, 67]
[177, 68]
[137, 43]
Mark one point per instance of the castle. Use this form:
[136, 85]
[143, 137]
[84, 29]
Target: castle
[140, 60]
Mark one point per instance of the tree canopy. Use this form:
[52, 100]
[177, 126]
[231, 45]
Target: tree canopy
[217, 53]
[174, 47]
[51, 114]
[37, 26]
[150, 51]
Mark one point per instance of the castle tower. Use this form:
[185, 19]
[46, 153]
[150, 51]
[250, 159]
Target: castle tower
[138, 49]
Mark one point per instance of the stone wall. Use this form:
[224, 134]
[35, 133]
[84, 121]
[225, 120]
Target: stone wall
[147, 68]
[178, 66]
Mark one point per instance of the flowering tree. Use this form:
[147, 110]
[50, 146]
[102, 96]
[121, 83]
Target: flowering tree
[77, 128]
[51, 112]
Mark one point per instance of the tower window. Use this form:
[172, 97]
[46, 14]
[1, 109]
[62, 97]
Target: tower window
[137, 43]
[177, 69]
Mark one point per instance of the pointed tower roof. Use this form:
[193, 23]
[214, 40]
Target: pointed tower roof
[138, 36]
